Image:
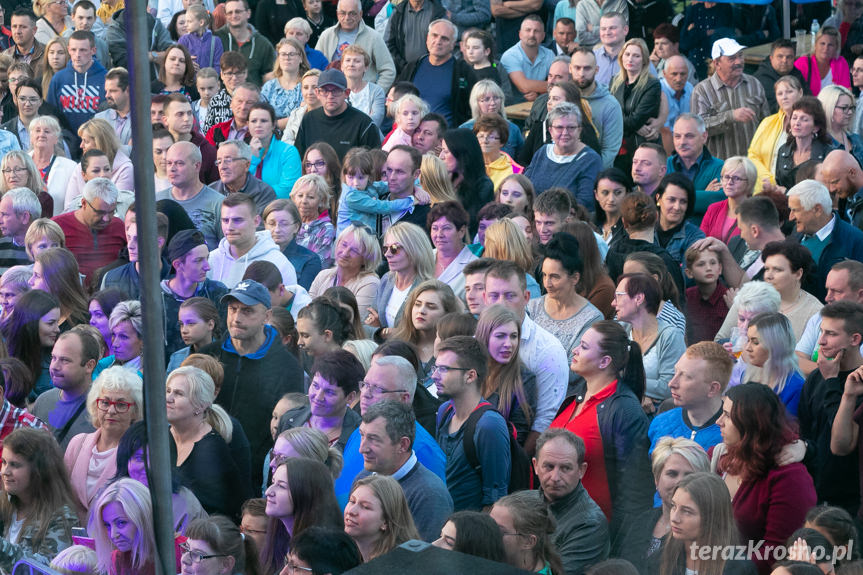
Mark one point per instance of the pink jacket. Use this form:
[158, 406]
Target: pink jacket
[838, 69]
[77, 460]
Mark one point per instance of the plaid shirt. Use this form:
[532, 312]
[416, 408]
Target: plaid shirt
[12, 418]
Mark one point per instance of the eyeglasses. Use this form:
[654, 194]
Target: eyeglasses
[445, 369]
[121, 406]
[233, 74]
[511, 533]
[294, 568]
[327, 91]
[489, 99]
[569, 129]
[15, 171]
[488, 137]
[289, 55]
[374, 389]
[393, 249]
[248, 531]
[229, 160]
[32, 100]
[102, 213]
[318, 165]
[734, 179]
[843, 109]
[196, 556]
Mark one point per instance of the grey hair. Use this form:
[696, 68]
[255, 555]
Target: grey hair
[319, 185]
[202, 394]
[300, 23]
[699, 121]
[757, 297]
[405, 372]
[399, 417]
[116, 379]
[452, 26]
[103, 189]
[193, 150]
[811, 193]
[25, 201]
[562, 110]
[127, 311]
[243, 149]
[49, 122]
[19, 276]
[562, 58]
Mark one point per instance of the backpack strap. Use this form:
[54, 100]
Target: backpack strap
[469, 430]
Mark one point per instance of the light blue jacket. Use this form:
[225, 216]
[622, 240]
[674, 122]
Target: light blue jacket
[363, 206]
[608, 119]
[282, 167]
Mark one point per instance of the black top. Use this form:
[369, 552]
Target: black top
[347, 130]
[624, 246]
[271, 17]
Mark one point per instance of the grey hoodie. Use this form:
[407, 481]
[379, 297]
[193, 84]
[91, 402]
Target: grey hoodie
[229, 270]
[608, 119]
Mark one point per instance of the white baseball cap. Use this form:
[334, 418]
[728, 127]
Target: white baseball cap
[725, 47]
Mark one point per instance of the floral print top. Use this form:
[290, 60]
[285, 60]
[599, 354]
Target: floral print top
[283, 101]
[319, 236]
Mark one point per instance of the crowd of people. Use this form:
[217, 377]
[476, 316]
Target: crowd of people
[623, 336]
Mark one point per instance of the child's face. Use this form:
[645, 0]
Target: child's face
[195, 25]
[312, 6]
[706, 269]
[281, 407]
[409, 117]
[357, 180]
[207, 88]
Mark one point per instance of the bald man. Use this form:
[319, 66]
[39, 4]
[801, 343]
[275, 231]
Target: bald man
[843, 176]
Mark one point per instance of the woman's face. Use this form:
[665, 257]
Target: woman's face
[49, 327]
[315, 164]
[685, 517]
[730, 434]
[842, 113]
[29, 101]
[364, 516]
[735, 184]
[609, 194]
[177, 400]
[503, 343]
[489, 104]
[43, 137]
[353, 65]
[777, 272]
[448, 159]
[676, 468]
[97, 167]
[409, 117]
[309, 91]
[15, 173]
[565, 133]
[112, 419]
[15, 473]
[57, 57]
[525, 226]
[261, 125]
[306, 200]
[802, 124]
[555, 96]
[428, 309]
[672, 205]
[42, 244]
[447, 237]
[311, 339]
[282, 227]
[559, 283]
[175, 60]
[787, 96]
[396, 256]
[447, 536]
[37, 280]
[513, 195]
[181, 25]
[633, 60]
[121, 531]
[350, 254]
[825, 48]
[756, 353]
[88, 142]
[504, 519]
[489, 143]
[474, 51]
[290, 60]
[217, 565]
[99, 320]
[279, 501]
[125, 342]
[193, 329]
[587, 357]
[137, 467]
[625, 306]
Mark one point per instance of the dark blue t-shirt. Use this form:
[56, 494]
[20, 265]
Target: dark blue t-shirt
[435, 86]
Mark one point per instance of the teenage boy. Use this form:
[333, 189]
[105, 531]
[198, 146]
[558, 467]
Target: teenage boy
[705, 301]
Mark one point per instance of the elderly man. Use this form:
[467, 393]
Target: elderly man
[18, 208]
[677, 89]
[352, 30]
[557, 72]
[730, 102]
[239, 36]
[236, 127]
[443, 81]
[527, 62]
[843, 176]
[605, 109]
[780, 63]
[692, 158]
[408, 29]
[666, 44]
[233, 159]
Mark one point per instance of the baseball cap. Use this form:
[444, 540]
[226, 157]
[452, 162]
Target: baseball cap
[183, 242]
[725, 47]
[249, 292]
[333, 77]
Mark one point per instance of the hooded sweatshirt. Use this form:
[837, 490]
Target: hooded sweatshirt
[608, 119]
[224, 267]
[78, 95]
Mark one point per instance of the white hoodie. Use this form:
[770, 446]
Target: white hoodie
[229, 270]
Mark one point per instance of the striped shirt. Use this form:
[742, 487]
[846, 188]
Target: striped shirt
[12, 418]
[715, 102]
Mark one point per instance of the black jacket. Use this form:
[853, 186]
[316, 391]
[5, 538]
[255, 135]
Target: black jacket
[786, 170]
[396, 37]
[768, 77]
[639, 104]
[463, 79]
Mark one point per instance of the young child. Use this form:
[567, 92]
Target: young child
[204, 47]
[705, 305]
[409, 111]
[318, 19]
[208, 86]
[360, 201]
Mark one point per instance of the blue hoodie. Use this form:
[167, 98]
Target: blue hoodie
[76, 95]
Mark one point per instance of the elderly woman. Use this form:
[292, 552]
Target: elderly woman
[824, 66]
[282, 220]
[284, 92]
[273, 161]
[358, 254]
[447, 225]
[19, 171]
[773, 130]
[176, 74]
[738, 180]
[410, 259]
[55, 169]
[491, 130]
[308, 87]
[567, 162]
[126, 344]
[114, 402]
[100, 135]
[839, 106]
[486, 97]
[808, 142]
[639, 95]
[675, 198]
[300, 29]
[367, 97]
[311, 195]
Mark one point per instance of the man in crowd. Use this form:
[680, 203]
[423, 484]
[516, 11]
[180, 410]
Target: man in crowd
[64, 406]
[25, 47]
[93, 233]
[508, 17]
[119, 104]
[563, 37]
[84, 18]
[402, 171]
[233, 159]
[557, 72]
[528, 61]
[18, 208]
[78, 101]
[613, 30]
[237, 35]
[234, 71]
[242, 244]
[202, 203]
[666, 45]
[843, 177]
[408, 29]
[474, 284]
[677, 89]
[605, 109]
[428, 136]
[127, 277]
[387, 436]
[648, 167]
[581, 534]
[236, 127]
[691, 158]
[180, 121]
[779, 63]
[714, 99]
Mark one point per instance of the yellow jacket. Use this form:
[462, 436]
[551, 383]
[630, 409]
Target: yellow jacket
[762, 149]
[501, 168]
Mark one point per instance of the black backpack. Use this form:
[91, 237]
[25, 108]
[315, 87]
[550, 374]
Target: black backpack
[520, 468]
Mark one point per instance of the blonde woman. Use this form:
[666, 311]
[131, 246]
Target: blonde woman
[839, 107]
[55, 59]
[367, 97]
[772, 131]
[505, 241]
[98, 134]
[357, 255]
[377, 516]
[825, 66]
[53, 21]
[284, 92]
[19, 171]
[435, 180]
[487, 97]
[309, 85]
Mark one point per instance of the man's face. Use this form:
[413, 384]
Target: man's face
[194, 265]
[564, 33]
[507, 292]
[665, 48]
[83, 18]
[380, 453]
[242, 102]
[582, 68]
[689, 387]
[449, 382]
[531, 33]
[837, 284]
[558, 72]
[246, 322]
[381, 383]
[688, 141]
[181, 169]
[547, 225]
[647, 170]
[730, 68]
[399, 172]
[160, 152]
[23, 30]
[232, 166]
[180, 117]
[81, 54]
[116, 97]
[12, 224]
[426, 138]
[474, 292]
[612, 32]
[332, 98]
[440, 41]
[131, 227]
[558, 469]
[782, 60]
[157, 113]
[239, 224]
[834, 338]
[97, 214]
[807, 221]
[676, 73]
[67, 371]
[349, 14]
[236, 14]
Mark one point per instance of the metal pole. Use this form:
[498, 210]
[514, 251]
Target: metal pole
[153, 364]
[786, 19]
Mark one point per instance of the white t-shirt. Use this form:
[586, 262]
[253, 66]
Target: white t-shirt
[397, 298]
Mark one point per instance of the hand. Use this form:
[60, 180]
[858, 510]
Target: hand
[800, 551]
[794, 452]
[729, 347]
[373, 319]
[654, 57]
[530, 96]
[195, 64]
[256, 145]
[714, 185]
[647, 405]
[712, 244]
[829, 366]
[421, 196]
[854, 383]
[728, 297]
[648, 131]
[743, 114]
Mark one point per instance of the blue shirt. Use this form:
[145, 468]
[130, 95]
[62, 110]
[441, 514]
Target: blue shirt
[515, 60]
[790, 394]
[435, 86]
[676, 106]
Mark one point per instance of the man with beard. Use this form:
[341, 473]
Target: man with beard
[604, 108]
[843, 176]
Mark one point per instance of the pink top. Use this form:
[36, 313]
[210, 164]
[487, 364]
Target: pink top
[838, 70]
[396, 137]
[77, 460]
[716, 224]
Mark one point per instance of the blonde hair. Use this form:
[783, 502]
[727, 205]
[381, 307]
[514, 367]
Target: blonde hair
[415, 241]
[395, 513]
[47, 71]
[312, 443]
[621, 79]
[134, 498]
[484, 88]
[409, 99]
[202, 394]
[743, 163]
[76, 560]
[43, 228]
[362, 349]
[104, 135]
[693, 453]
[435, 180]
[505, 241]
[304, 61]
[371, 248]
[319, 185]
[34, 179]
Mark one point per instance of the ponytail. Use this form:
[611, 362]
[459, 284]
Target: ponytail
[220, 421]
[625, 354]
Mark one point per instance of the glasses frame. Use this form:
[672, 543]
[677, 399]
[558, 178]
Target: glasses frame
[100, 401]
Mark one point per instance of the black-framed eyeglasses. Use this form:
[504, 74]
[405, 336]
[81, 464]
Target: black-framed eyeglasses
[318, 165]
[445, 369]
[375, 389]
[101, 213]
[103, 404]
[197, 556]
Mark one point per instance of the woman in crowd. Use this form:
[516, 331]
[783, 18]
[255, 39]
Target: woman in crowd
[462, 155]
[367, 97]
[672, 459]
[121, 525]
[701, 517]
[509, 386]
[308, 85]
[273, 161]
[505, 241]
[516, 191]
[323, 326]
[55, 169]
[637, 302]
[809, 141]
[563, 311]
[176, 74]
[524, 518]
[98, 134]
[345, 299]
[491, 131]
[611, 367]
[301, 496]
[612, 185]
[426, 304]
[377, 516]
[447, 225]
[311, 195]
[101, 305]
[435, 180]
[42, 235]
[824, 66]
[670, 310]
[30, 333]
[200, 324]
[133, 462]
[567, 162]
[17, 381]
[785, 265]
[839, 107]
[126, 343]
[200, 433]
[410, 259]
[307, 443]
[487, 98]
[358, 254]
[282, 219]
[773, 130]
[639, 95]
[675, 197]
[285, 91]
[220, 539]
[838, 527]
[770, 349]
[56, 271]
[594, 283]
[738, 182]
[177, 26]
[19, 171]
[321, 159]
[55, 58]
[770, 500]
[114, 402]
[38, 506]
[472, 533]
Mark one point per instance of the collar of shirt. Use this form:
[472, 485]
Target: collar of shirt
[679, 167]
[718, 84]
[405, 469]
[824, 232]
